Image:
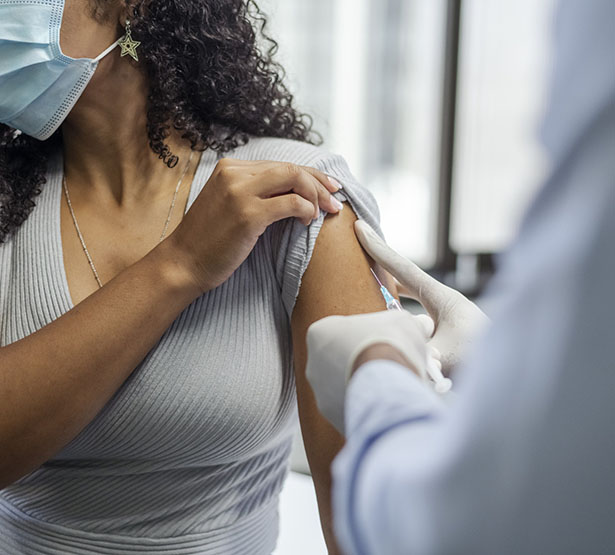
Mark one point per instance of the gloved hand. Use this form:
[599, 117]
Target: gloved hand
[334, 343]
[456, 319]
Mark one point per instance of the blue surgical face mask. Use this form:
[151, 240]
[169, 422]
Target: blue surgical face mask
[39, 85]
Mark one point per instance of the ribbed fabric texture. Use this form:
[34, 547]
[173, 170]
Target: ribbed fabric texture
[190, 454]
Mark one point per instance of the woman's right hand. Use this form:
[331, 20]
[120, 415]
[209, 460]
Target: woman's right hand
[237, 204]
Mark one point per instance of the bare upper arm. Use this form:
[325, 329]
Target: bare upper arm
[337, 281]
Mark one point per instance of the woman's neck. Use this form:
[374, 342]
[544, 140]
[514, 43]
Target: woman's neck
[106, 147]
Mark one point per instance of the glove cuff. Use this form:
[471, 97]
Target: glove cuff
[409, 352]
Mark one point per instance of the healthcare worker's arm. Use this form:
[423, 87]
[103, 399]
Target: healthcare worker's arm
[337, 262]
[522, 461]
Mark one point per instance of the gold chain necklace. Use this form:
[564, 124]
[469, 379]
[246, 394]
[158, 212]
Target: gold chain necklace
[164, 231]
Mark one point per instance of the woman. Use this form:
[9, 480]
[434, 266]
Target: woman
[159, 268]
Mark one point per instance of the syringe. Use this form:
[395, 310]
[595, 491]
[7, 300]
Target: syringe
[441, 384]
[391, 301]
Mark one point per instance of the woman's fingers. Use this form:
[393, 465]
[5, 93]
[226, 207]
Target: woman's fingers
[267, 180]
[327, 202]
[329, 183]
[326, 186]
[275, 179]
[255, 167]
[287, 206]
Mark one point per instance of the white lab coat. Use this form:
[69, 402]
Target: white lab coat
[524, 461]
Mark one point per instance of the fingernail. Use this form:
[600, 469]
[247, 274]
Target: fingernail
[335, 183]
[337, 203]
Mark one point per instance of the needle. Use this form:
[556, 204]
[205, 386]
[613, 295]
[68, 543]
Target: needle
[391, 302]
[374, 274]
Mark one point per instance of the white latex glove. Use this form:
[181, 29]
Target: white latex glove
[334, 343]
[456, 319]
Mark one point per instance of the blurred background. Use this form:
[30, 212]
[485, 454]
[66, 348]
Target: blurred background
[436, 106]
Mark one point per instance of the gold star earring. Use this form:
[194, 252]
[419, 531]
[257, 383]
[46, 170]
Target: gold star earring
[129, 46]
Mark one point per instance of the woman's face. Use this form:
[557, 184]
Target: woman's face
[84, 36]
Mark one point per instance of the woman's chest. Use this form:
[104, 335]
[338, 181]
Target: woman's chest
[218, 385]
[99, 241]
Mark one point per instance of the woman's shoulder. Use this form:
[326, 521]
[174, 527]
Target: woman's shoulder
[282, 150]
[307, 154]
[303, 154]
[293, 243]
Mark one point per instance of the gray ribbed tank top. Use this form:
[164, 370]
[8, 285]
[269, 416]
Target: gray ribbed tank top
[190, 454]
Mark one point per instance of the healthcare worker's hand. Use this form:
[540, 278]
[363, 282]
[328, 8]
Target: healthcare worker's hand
[456, 319]
[237, 204]
[335, 343]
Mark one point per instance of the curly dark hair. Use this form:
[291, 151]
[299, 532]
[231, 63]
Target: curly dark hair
[212, 77]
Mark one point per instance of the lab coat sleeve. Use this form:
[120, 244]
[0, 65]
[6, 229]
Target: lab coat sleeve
[383, 397]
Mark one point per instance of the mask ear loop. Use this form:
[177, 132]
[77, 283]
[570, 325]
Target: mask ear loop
[103, 54]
